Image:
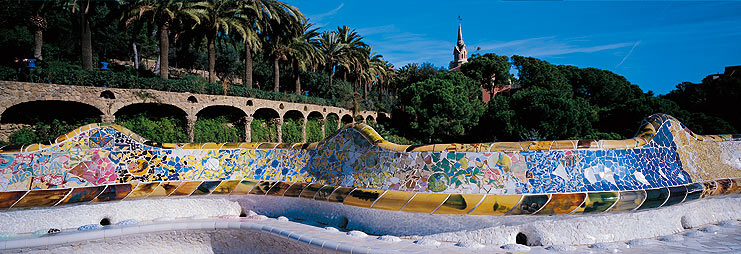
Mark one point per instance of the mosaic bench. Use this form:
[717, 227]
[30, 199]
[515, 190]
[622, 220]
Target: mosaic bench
[665, 164]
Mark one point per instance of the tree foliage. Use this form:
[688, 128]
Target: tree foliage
[441, 109]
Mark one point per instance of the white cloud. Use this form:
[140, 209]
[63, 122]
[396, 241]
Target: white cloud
[319, 17]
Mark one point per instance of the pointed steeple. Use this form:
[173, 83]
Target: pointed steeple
[460, 35]
[460, 54]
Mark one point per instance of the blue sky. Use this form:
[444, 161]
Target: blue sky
[654, 44]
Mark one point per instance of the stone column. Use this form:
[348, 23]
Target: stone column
[323, 122]
[105, 118]
[303, 129]
[191, 121]
[248, 128]
[279, 125]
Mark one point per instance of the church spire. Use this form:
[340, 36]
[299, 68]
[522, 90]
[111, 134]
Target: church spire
[460, 54]
[460, 35]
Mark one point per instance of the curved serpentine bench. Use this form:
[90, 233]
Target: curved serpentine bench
[666, 164]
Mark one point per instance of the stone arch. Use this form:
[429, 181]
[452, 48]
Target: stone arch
[332, 124]
[359, 118]
[153, 109]
[315, 126]
[107, 94]
[234, 117]
[293, 127]
[192, 99]
[265, 125]
[347, 119]
[30, 112]
[158, 112]
[117, 106]
[382, 119]
[370, 119]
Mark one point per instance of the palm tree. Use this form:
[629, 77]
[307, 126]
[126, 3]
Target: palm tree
[356, 53]
[164, 14]
[38, 24]
[332, 50]
[279, 36]
[219, 17]
[85, 34]
[302, 50]
[256, 15]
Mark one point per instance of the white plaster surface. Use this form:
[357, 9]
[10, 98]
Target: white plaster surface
[73, 216]
[501, 230]
[186, 241]
[244, 235]
[681, 228]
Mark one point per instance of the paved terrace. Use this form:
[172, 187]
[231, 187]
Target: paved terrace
[108, 102]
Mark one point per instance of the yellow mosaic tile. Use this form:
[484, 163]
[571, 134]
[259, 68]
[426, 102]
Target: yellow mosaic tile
[262, 187]
[340, 194]
[425, 202]
[211, 145]
[142, 190]
[279, 189]
[310, 190]
[496, 204]
[362, 197]
[505, 146]
[539, 145]
[393, 200]
[564, 145]
[186, 188]
[460, 204]
[226, 187]
[250, 145]
[244, 187]
[295, 189]
[562, 204]
[164, 189]
[47, 197]
[324, 192]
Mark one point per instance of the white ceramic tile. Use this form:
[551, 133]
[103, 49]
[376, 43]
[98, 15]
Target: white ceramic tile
[360, 250]
[294, 235]
[330, 245]
[148, 228]
[112, 232]
[182, 225]
[130, 230]
[208, 225]
[167, 226]
[60, 238]
[344, 248]
[89, 235]
[234, 224]
[250, 226]
[195, 225]
[221, 224]
[318, 242]
[14, 244]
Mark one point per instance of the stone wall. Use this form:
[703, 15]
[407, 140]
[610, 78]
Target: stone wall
[7, 129]
[110, 100]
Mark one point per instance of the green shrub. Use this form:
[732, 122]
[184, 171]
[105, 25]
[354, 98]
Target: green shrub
[263, 131]
[67, 74]
[8, 73]
[330, 127]
[292, 131]
[313, 130]
[45, 132]
[218, 130]
[24, 136]
[165, 129]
